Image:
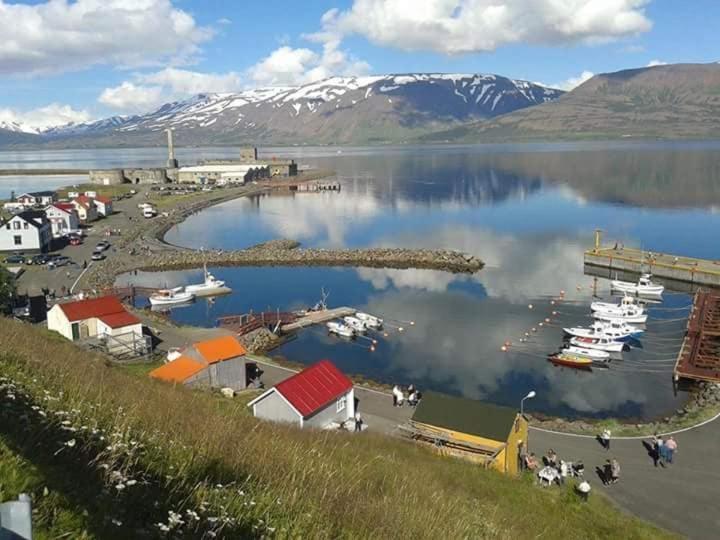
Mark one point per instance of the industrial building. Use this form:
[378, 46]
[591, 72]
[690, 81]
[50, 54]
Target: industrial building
[222, 174]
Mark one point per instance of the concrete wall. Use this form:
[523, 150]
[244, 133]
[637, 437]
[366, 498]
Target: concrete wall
[330, 414]
[31, 238]
[274, 408]
[107, 177]
[146, 176]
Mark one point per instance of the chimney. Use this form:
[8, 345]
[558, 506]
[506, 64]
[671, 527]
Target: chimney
[172, 163]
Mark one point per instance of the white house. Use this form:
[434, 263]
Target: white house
[86, 209]
[26, 231]
[103, 204]
[104, 316]
[318, 396]
[36, 198]
[63, 218]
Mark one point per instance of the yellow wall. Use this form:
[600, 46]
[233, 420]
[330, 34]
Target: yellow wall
[507, 460]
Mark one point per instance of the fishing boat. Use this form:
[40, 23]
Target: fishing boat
[356, 324]
[571, 360]
[598, 343]
[210, 286]
[644, 285]
[615, 330]
[625, 301]
[340, 329]
[165, 297]
[628, 315]
[370, 320]
[593, 354]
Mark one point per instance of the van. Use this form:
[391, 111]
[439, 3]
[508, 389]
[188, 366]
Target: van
[149, 212]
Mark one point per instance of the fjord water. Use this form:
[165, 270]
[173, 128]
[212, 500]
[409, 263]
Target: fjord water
[528, 211]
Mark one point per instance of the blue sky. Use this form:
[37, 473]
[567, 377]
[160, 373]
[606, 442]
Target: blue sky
[83, 59]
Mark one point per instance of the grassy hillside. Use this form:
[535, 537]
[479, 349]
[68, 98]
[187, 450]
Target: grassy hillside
[144, 459]
[666, 102]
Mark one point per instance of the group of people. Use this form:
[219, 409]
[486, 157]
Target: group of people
[399, 396]
[554, 470]
[663, 449]
[610, 472]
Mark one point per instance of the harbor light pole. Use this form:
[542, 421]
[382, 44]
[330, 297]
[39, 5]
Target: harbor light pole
[531, 394]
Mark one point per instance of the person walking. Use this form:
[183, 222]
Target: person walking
[607, 472]
[660, 451]
[358, 422]
[614, 471]
[670, 449]
[605, 439]
[395, 391]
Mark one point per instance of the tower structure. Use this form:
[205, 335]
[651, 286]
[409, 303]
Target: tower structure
[172, 163]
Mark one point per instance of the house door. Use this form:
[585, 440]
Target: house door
[75, 331]
[84, 331]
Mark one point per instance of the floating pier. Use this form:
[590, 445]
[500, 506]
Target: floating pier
[661, 265]
[283, 320]
[699, 356]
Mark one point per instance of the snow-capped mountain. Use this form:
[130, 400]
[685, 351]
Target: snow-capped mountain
[17, 127]
[335, 110]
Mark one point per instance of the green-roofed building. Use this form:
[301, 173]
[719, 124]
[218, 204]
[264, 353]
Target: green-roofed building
[472, 429]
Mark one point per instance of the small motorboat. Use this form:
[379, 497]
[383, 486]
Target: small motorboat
[356, 324]
[627, 314]
[371, 321]
[625, 301]
[210, 286]
[340, 329]
[592, 354]
[598, 343]
[571, 360]
[643, 286]
[165, 297]
[614, 330]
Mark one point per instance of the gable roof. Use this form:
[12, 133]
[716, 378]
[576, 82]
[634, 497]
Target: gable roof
[84, 200]
[179, 370]
[118, 320]
[36, 194]
[465, 415]
[93, 307]
[219, 349]
[31, 216]
[103, 199]
[314, 387]
[64, 206]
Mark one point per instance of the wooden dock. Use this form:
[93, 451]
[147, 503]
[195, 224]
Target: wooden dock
[661, 265]
[318, 317]
[699, 356]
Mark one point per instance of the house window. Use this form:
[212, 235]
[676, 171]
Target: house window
[25, 225]
[16, 225]
[340, 404]
[18, 240]
[7, 226]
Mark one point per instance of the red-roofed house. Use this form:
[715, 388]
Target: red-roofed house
[103, 205]
[319, 396]
[98, 317]
[214, 363]
[63, 218]
[86, 209]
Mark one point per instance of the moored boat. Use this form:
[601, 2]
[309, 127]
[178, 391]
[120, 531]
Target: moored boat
[165, 297]
[592, 354]
[370, 320]
[599, 343]
[625, 301]
[356, 324]
[615, 330]
[644, 286]
[628, 315]
[571, 360]
[340, 329]
[210, 285]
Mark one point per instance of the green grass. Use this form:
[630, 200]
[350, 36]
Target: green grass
[195, 451]
[106, 191]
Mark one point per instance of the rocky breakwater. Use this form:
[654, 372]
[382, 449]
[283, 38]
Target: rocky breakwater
[287, 253]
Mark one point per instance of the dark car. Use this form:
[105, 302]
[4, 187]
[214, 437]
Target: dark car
[38, 259]
[15, 259]
[75, 240]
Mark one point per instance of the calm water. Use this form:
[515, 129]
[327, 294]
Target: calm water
[527, 210]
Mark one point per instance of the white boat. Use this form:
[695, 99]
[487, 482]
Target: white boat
[165, 297]
[625, 301]
[615, 330]
[211, 285]
[356, 324]
[644, 285]
[593, 354]
[340, 329]
[628, 315]
[371, 321]
[598, 343]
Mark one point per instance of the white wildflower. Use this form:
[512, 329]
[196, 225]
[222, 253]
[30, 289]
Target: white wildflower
[120, 486]
[131, 482]
[70, 443]
[117, 522]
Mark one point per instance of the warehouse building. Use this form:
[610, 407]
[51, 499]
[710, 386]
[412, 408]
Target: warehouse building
[222, 174]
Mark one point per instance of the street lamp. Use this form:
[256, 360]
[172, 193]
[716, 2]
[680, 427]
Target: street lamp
[531, 394]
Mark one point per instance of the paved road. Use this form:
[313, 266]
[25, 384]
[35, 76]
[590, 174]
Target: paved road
[683, 497]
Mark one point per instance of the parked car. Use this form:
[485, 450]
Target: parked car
[102, 245]
[58, 260]
[97, 256]
[38, 259]
[75, 240]
[15, 259]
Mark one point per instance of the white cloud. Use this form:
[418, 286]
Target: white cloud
[573, 82]
[653, 63]
[150, 90]
[463, 26]
[41, 118]
[60, 35]
[224, 20]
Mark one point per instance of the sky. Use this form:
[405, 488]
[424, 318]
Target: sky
[79, 60]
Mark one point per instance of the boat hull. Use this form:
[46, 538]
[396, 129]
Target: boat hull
[632, 319]
[584, 364]
[594, 343]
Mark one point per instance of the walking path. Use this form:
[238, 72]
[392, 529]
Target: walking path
[682, 497]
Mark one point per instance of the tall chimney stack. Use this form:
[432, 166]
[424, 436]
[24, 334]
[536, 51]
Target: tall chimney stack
[172, 163]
